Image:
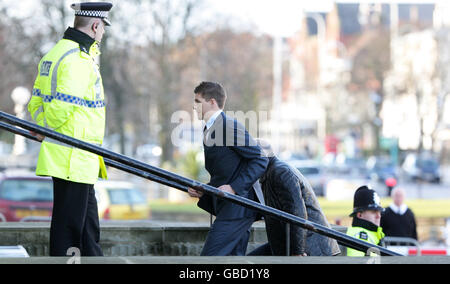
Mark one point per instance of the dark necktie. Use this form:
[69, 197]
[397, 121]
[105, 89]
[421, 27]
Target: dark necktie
[204, 135]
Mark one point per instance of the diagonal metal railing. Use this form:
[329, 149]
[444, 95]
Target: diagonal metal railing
[158, 175]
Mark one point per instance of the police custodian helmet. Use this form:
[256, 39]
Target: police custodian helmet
[365, 199]
[94, 10]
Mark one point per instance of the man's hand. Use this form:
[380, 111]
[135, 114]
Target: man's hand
[38, 136]
[194, 193]
[304, 254]
[227, 188]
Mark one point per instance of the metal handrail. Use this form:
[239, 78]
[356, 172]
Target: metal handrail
[36, 219]
[182, 183]
[403, 240]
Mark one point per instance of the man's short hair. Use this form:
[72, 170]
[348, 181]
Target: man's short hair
[211, 90]
[81, 22]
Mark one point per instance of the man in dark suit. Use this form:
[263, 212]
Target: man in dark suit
[235, 162]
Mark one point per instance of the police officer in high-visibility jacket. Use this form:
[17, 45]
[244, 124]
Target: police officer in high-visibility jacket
[68, 98]
[366, 219]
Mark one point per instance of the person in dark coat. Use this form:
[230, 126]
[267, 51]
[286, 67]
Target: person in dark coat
[398, 220]
[286, 189]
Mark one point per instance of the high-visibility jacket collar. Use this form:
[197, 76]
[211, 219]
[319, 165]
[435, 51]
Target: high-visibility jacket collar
[364, 224]
[369, 226]
[87, 44]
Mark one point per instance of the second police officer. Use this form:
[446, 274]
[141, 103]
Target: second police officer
[366, 219]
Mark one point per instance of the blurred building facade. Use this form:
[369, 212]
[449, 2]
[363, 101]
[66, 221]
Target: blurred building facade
[416, 109]
[321, 95]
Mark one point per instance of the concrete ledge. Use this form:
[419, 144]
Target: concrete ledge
[153, 242]
[140, 238]
[231, 260]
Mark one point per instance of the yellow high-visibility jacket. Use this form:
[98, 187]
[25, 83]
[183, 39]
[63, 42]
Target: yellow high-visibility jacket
[365, 231]
[68, 97]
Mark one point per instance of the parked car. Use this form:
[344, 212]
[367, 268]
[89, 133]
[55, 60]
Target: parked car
[24, 196]
[120, 200]
[347, 165]
[381, 168]
[424, 168]
[313, 172]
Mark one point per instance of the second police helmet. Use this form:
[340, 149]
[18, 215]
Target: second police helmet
[365, 199]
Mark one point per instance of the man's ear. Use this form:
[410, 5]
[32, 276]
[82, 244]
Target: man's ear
[94, 26]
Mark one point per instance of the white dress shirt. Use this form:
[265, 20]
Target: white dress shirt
[212, 119]
[399, 210]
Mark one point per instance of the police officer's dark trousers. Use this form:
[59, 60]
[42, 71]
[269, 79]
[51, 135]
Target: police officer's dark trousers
[75, 221]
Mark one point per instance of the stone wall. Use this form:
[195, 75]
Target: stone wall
[149, 238]
[163, 242]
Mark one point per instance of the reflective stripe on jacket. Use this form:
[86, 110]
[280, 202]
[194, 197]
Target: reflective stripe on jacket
[68, 98]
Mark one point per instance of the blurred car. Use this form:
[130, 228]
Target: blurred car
[313, 172]
[24, 196]
[120, 200]
[348, 165]
[421, 168]
[288, 156]
[381, 168]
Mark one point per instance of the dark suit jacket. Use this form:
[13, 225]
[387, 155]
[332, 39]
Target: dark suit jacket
[231, 157]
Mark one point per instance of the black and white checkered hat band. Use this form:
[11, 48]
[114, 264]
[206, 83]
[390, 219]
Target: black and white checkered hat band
[95, 14]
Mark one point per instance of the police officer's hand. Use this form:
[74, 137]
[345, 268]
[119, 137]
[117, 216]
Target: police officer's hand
[38, 136]
[194, 193]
